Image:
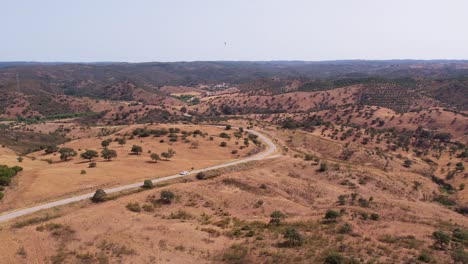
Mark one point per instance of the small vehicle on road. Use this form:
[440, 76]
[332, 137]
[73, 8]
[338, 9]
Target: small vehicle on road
[183, 172]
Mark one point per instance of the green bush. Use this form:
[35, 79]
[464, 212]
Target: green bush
[332, 215]
[334, 258]
[167, 197]
[134, 207]
[99, 196]
[148, 184]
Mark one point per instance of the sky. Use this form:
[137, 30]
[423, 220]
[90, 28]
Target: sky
[249, 30]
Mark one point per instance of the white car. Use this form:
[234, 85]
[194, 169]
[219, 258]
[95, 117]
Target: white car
[183, 172]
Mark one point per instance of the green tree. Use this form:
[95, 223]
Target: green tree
[407, 163]
[106, 143]
[67, 153]
[51, 149]
[108, 154]
[99, 196]
[276, 217]
[20, 159]
[155, 157]
[169, 154]
[167, 197]
[137, 149]
[89, 154]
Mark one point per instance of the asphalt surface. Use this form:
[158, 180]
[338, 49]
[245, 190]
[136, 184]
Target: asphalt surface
[270, 149]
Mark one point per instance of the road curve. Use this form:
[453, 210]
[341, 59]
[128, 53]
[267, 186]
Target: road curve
[270, 149]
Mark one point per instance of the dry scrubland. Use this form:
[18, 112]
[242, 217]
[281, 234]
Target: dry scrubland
[376, 214]
[46, 177]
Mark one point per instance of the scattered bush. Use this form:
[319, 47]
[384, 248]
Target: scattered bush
[167, 197]
[134, 207]
[99, 196]
[148, 184]
[276, 217]
[201, 175]
[293, 238]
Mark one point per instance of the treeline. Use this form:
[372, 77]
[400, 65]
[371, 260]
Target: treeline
[328, 84]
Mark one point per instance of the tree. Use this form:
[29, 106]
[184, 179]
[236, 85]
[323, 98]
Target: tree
[155, 157]
[228, 127]
[99, 196]
[223, 144]
[169, 154]
[331, 215]
[148, 184]
[51, 149]
[293, 238]
[106, 143]
[167, 197]
[67, 153]
[108, 154]
[441, 238]
[20, 159]
[89, 154]
[276, 217]
[137, 149]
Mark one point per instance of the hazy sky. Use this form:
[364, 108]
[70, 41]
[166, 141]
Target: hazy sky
[177, 30]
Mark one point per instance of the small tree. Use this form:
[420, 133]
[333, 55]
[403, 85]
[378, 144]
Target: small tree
[293, 238]
[137, 149]
[148, 184]
[276, 217]
[67, 153]
[167, 197]
[223, 144]
[169, 154]
[89, 154]
[92, 165]
[106, 143]
[20, 159]
[108, 154]
[99, 196]
[228, 127]
[155, 157]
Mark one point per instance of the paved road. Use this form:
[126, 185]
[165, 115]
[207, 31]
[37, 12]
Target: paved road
[270, 149]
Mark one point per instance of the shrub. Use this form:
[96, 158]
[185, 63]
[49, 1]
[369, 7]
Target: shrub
[134, 207]
[331, 215]
[1, 195]
[148, 184]
[20, 159]
[407, 163]
[334, 258]
[235, 254]
[441, 238]
[83, 172]
[99, 196]
[425, 257]
[223, 144]
[201, 175]
[106, 143]
[293, 238]
[51, 149]
[5, 181]
[276, 217]
[92, 165]
[374, 217]
[345, 229]
[137, 149]
[167, 197]
[323, 167]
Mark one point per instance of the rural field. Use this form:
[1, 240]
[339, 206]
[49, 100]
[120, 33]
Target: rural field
[234, 162]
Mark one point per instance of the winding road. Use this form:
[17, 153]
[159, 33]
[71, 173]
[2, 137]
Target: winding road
[270, 149]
